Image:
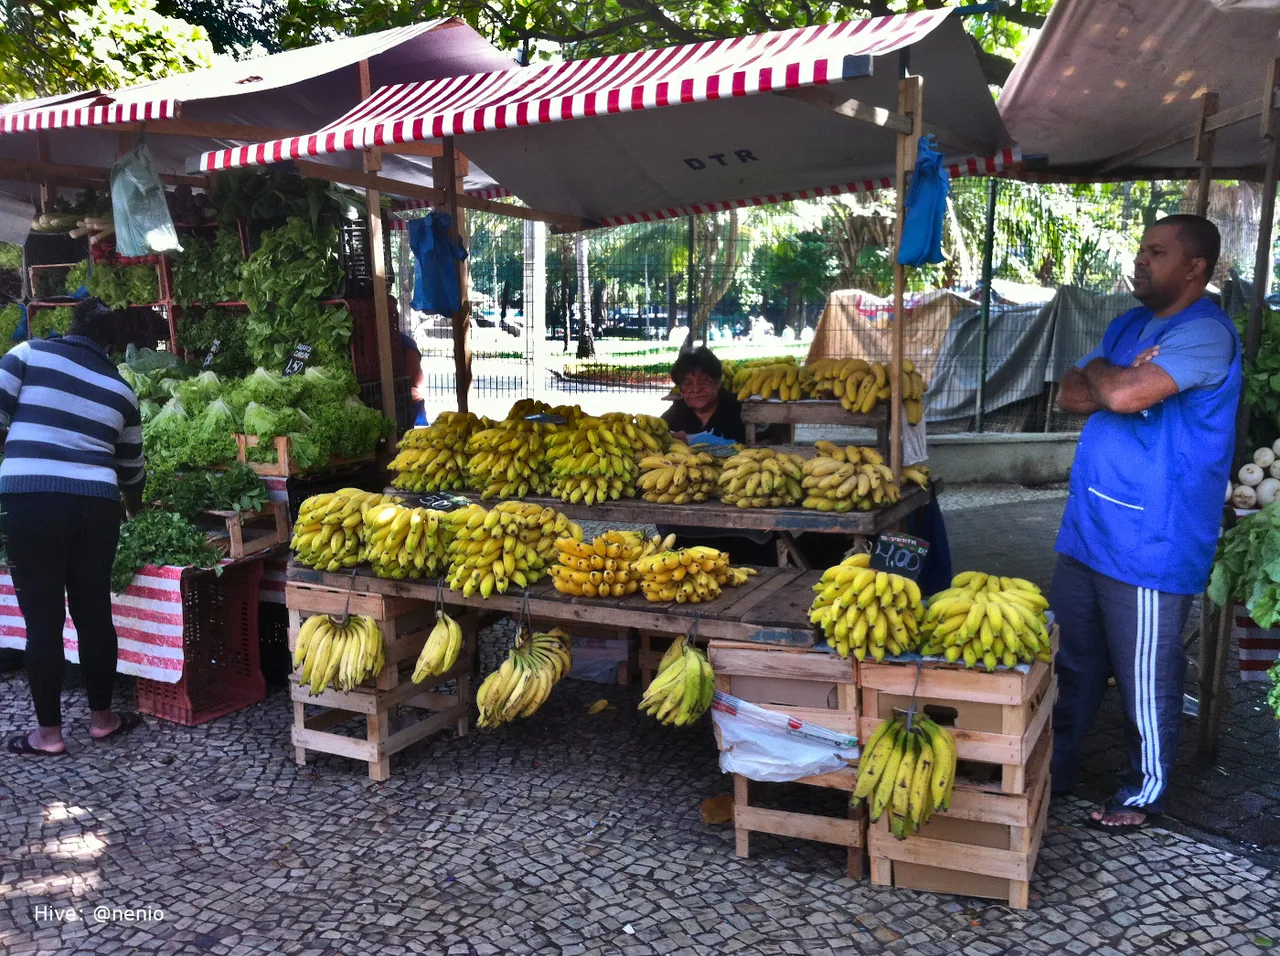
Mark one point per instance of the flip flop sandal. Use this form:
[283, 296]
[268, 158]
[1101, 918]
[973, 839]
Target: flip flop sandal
[128, 722]
[1146, 823]
[21, 745]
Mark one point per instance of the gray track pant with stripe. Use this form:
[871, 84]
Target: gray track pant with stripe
[1112, 628]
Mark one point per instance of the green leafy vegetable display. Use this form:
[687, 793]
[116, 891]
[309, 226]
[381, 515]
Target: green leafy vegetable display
[271, 336]
[43, 321]
[208, 271]
[199, 328]
[1247, 566]
[158, 538]
[117, 286]
[77, 276]
[245, 194]
[1273, 695]
[238, 488]
[10, 319]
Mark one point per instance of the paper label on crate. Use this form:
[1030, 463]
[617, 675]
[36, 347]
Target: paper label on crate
[212, 353]
[899, 553]
[298, 360]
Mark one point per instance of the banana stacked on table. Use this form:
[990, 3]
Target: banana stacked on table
[490, 550]
[602, 567]
[861, 385]
[842, 479]
[345, 654]
[651, 433]
[689, 575]
[520, 686]
[988, 619]
[507, 460]
[910, 773]
[434, 458]
[402, 542]
[866, 612]
[762, 478]
[328, 534]
[680, 476]
[682, 689]
[786, 381]
[593, 460]
[440, 652]
[736, 372]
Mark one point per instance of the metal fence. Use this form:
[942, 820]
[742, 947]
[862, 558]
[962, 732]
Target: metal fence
[767, 281]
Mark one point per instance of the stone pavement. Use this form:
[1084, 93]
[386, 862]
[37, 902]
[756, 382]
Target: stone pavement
[564, 834]
[1235, 797]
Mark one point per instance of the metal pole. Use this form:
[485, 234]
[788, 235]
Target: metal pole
[688, 339]
[988, 242]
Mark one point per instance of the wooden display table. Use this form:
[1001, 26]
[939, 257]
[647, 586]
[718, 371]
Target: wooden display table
[771, 608]
[812, 411]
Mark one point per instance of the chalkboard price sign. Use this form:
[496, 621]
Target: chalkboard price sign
[442, 501]
[899, 554]
[212, 353]
[298, 360]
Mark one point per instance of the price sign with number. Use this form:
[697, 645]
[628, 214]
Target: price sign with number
[899, 554]
[442, 501]
[212, 353]
[298, 360]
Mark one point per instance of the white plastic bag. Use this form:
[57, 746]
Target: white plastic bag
[141, 214]
[768, 745]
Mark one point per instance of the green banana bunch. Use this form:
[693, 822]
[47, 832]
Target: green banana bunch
[679, 476]
[762, 478]
[440, 652]
[405, 542]
[346, 655]
[594, 460]
[989, 619]
[522, 684]
[681, 691]
[867, 612]
[910, 773]
[842, 479]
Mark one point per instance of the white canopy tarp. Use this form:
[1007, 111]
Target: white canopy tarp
[1106, 76]
[684, 129]
[295, 90]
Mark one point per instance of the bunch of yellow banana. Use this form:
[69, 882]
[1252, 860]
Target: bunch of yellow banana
[679, 477]
[682, 689]
[989, 619]
[405, 542]
[735, 372]
[507, 460]
[328, 533]
[533, 666]
[762, 478]
[786, 381]
[348, 655]
[689, 575]
[909, 772]
[648, 432]
[861, 385]
[867, 612]
[440, 652]
[602, 567]
[434, 458]
[593, 461]
[512, 543]
[842, 479]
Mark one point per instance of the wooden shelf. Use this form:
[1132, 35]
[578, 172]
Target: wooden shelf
[811, 411]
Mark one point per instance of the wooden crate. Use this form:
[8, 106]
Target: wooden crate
[283, 466]
[996, 718]
[814, 686]
[248, 532]
[985, 845]
[405, 624]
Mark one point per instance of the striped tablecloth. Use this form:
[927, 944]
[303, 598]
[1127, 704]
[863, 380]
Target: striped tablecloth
[1259, 647]
[148, 619]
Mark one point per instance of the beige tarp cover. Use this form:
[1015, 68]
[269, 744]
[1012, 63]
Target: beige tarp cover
[857, 324]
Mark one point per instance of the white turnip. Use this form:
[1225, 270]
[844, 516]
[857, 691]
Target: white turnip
[1264, 457]
[1244, 497]
[1250, 474]
[1267, 491]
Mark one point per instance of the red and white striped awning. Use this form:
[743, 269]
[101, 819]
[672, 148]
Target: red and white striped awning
[600, 138]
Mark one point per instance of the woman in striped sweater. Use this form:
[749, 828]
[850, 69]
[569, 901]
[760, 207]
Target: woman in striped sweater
[73, 449]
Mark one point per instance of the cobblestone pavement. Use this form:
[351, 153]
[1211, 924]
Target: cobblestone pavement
[1236, 796]
[564, 834]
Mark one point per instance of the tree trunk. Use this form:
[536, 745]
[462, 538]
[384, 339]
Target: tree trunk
[789, 314]
[671, 303]
[565, 309]
[717, 238]
[586, 335]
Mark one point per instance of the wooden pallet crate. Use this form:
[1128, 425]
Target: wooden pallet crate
[985, 845]
[995, 718]
[405, 624]
[284, 466]
[248, 532]
[815, 686]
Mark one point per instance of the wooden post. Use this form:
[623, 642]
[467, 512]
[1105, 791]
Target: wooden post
[1204, 151]
[444, 174]
[909, 103]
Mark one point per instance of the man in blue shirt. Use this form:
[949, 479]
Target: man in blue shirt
[1144, 511]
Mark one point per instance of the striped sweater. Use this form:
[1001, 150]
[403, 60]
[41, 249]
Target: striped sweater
[74, 425]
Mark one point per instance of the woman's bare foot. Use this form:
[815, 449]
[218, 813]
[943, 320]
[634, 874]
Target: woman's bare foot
[102, 723]
[1119, 818]
[48, 739]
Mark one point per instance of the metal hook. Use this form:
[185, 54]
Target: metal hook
[911, 711]
[346, 608]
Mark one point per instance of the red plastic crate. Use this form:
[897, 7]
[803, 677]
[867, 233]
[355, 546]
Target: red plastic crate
[364, 342]
[222, 669]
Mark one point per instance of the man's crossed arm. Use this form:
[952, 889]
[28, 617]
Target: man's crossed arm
[1117, 388]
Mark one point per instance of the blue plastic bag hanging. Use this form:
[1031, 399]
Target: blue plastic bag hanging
[435, 257]
[141, 214]
[926, 207]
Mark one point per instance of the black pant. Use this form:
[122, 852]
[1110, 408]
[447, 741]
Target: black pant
[61, 548]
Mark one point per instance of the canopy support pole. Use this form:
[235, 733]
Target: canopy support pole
[1204, 151]
[988, 242]
[910, 102]
[444, 173]
[1262, 259]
